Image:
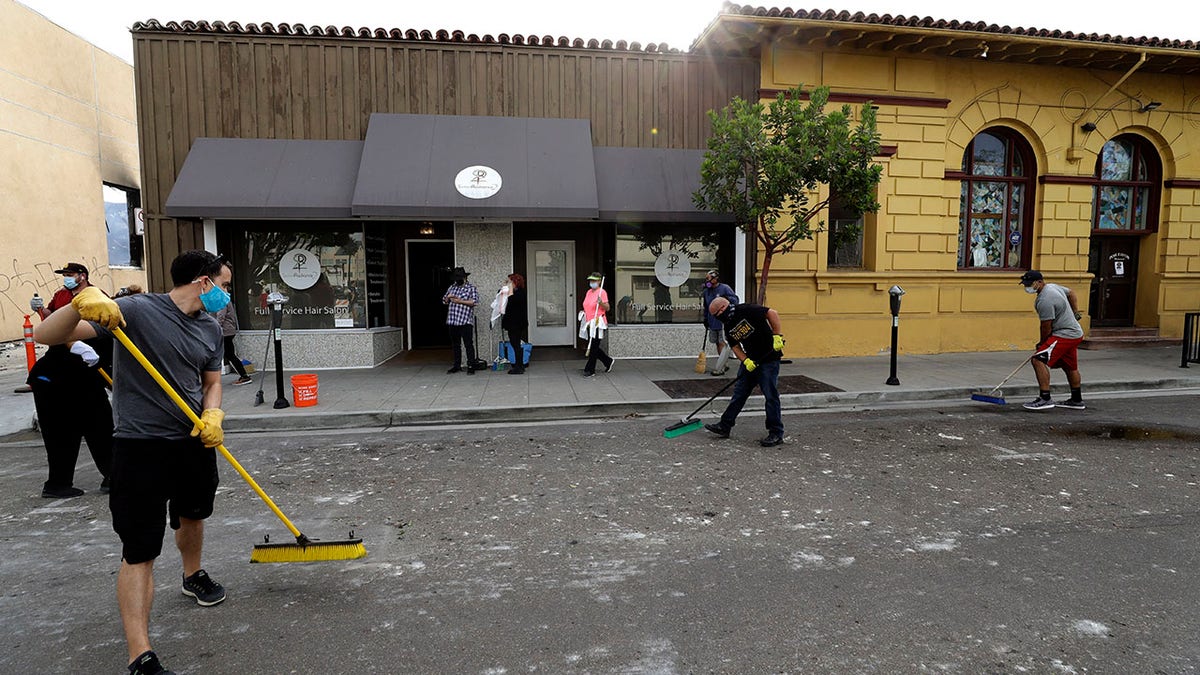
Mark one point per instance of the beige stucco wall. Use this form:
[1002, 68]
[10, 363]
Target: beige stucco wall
[67, 125]
[913, 239]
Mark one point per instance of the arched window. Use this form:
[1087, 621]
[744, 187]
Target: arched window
[1128, 175]
[995, 218]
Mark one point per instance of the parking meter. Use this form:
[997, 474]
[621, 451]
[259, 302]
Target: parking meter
[894, 294]
[277, 300]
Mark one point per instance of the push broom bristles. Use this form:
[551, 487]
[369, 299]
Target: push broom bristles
[306, 550]
[989, 398]
[681, 428]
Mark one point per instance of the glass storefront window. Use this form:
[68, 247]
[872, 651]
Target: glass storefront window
[322, 270]
[994, 219]
[660, 272]
[1126, 170]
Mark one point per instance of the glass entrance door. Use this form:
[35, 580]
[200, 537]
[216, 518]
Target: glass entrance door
[551, 292]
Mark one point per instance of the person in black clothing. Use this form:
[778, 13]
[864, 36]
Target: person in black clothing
[516, 322]
[755, 334]
[72, 405]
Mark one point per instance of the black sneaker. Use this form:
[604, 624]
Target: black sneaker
[147, 664]
[61, 492]
[588, 373]
[1039, 404]
[242, 380]
[105, 486]
[1071, 403]
[453, 370]
[608, 368]
[718, 429]
[201, 587]
[771, 440]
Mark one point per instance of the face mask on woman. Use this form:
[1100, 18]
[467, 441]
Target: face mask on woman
[594, 284]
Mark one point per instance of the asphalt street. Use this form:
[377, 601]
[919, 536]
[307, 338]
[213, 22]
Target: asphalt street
[959, 539]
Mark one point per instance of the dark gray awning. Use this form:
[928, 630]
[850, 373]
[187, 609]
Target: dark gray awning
[650, 184]
[265, 178]
[410, 164]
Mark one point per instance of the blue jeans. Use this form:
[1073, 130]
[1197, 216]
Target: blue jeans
[766, 376]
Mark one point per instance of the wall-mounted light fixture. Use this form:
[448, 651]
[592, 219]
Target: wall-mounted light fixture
[1088, 127]
[1152, 105]
[426, 230]
[983, 51]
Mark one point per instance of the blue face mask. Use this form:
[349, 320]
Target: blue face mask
[70, 283]
[215, 298]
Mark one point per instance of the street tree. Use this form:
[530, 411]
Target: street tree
[765, 163]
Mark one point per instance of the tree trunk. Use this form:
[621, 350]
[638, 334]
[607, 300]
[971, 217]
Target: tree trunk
[766, 269]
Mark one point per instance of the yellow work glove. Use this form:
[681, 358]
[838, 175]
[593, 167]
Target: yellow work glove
[777, 342]
[93, 305]
[749, 364]
[209, 430]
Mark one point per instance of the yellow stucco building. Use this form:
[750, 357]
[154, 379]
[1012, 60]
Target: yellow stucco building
[68, 164]
[1004, 150]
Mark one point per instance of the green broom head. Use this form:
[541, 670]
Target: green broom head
[307, 550]
[681, 428]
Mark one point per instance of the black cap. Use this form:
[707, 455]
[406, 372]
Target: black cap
[459, 273]
[72, 268]
[1030, 277]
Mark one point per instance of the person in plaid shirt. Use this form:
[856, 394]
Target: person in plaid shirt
[461, 299]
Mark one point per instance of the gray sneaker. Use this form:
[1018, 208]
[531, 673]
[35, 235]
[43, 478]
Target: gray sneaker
[201, 587]
[1039, 404]
[1073, 404]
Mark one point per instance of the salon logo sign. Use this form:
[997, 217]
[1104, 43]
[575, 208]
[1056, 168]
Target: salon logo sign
[478, 182]
[672, 268]
[300, 268]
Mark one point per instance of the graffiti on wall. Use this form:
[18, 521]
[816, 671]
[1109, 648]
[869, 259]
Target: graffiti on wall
[20, 279]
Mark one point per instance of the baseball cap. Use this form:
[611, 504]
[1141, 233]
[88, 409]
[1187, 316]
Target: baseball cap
[72, 268]
[1030, 277]
[595, 276]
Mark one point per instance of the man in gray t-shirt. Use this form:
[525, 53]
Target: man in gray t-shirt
[164, 468]
[140, 409]
[1058, 340]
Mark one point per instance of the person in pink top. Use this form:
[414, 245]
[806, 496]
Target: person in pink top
[595, 322]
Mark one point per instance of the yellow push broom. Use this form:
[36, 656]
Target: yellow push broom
[305, 549]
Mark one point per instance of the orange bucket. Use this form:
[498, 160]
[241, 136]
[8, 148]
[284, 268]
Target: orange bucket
[304, 390]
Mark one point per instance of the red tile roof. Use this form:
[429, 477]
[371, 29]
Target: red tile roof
[410, 35]
[735, 9]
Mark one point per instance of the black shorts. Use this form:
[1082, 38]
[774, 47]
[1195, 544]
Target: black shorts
[154, 478]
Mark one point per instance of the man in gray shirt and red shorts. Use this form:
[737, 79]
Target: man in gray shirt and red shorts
[163, 467]
[1058, 342]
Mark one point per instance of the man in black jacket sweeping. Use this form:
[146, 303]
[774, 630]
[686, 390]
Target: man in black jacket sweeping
[755, 334]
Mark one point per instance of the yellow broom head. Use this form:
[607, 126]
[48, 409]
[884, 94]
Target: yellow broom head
[312, 551]
[701, 363]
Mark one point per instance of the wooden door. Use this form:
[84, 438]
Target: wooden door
[1113, 261]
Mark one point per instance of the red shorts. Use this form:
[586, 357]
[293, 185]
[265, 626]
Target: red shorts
[1059, 352]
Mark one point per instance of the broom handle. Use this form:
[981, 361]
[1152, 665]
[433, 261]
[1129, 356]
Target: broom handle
[1010, 375]
[187, 410]
[711, 398]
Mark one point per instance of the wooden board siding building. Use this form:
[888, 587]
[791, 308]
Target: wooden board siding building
[265, 140]
[1008, 149]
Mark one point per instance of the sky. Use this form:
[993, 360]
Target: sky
[106, 23]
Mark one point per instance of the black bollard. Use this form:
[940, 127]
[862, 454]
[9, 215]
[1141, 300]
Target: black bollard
[277, 300]
[895, 292]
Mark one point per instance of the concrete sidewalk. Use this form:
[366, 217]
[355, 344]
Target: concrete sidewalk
[404, 392]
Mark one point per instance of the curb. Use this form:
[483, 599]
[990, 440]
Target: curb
[383, 419]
